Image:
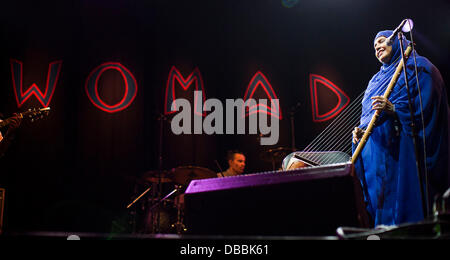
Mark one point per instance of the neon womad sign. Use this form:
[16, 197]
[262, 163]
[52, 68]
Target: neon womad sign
[195, 79]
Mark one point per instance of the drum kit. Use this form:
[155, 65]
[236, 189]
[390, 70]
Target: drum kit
[162, 203]
[163, 210]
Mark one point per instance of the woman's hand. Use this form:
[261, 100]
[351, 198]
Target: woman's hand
[357, 134]
[383, 104]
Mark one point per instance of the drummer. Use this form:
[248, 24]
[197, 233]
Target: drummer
[236, 164]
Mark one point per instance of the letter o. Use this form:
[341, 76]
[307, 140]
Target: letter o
[130, 87]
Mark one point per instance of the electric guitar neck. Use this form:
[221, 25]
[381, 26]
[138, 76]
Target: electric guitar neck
[33, 114]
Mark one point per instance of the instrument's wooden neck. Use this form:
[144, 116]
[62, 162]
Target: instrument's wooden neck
[32, 114]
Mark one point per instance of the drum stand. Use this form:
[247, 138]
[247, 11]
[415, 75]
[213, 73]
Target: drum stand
[156, 187]
[179, 226]
[166, 197]
[155, 199]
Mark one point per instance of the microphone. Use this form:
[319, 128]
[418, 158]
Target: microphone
[402, 27]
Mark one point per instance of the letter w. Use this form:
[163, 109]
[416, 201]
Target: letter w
[17, 80]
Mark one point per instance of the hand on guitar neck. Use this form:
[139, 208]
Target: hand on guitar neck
[14, 122]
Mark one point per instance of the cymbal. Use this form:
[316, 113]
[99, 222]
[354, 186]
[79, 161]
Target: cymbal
[276, 154]
[153, 176]
[184, 174]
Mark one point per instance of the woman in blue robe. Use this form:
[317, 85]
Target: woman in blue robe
[387, 165]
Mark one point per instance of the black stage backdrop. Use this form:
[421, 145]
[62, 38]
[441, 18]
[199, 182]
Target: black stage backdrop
[74, 170]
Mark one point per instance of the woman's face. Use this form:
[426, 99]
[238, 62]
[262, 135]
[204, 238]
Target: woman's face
[383, 52]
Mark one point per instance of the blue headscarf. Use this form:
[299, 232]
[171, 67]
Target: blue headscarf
[395, 46]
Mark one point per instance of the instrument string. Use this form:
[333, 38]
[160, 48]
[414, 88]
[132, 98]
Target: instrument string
[332, 127]
[343, 131]
[336, 139]
[337, 132]
[341, 141]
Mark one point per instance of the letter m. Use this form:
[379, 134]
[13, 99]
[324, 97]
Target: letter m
[195, 78]
[17, 80]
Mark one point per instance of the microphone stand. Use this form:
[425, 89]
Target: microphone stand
[294, 111]
[158, 190]
[419, 165]
[292, 131]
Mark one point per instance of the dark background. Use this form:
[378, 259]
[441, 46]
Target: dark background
[74, 170]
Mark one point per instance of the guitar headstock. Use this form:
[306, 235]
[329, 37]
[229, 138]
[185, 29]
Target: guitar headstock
[34, 114]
